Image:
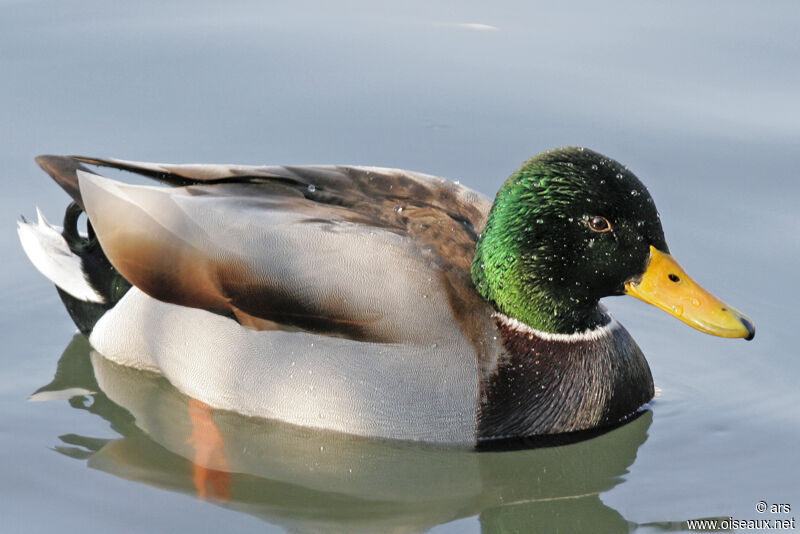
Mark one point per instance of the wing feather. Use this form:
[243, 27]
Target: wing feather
[365, 253]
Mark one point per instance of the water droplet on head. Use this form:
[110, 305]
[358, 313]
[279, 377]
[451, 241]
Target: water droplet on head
[619, 176]
[594, 167]
[634, 193]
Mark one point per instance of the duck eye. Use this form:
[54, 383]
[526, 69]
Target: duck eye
[598, 224]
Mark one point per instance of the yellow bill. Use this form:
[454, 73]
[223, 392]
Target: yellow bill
[667, 286]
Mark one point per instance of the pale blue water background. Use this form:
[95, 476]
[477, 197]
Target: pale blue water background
[700, 99]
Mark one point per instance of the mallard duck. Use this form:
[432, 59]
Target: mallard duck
[373, 301]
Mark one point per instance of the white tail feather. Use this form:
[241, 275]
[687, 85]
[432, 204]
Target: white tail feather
[48, 251]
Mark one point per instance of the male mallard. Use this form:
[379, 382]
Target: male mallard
[375, 301]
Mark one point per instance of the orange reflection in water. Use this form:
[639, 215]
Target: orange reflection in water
[208, 446]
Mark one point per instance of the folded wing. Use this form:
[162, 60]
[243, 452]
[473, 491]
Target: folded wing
[365, 253]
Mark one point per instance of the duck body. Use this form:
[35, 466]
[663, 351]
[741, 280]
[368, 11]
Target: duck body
[343, 298]
[444, 390]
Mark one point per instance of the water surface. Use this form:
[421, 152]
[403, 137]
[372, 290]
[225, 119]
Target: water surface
[700, 101]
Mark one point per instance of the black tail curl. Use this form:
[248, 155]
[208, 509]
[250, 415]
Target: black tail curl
[99, 272]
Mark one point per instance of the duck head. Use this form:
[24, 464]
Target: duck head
[572, 226]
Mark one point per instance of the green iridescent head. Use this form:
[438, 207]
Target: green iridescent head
[567, 228]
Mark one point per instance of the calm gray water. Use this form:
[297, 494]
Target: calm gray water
[699, 99]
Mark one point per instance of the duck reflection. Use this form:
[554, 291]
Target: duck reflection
[309, 480]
